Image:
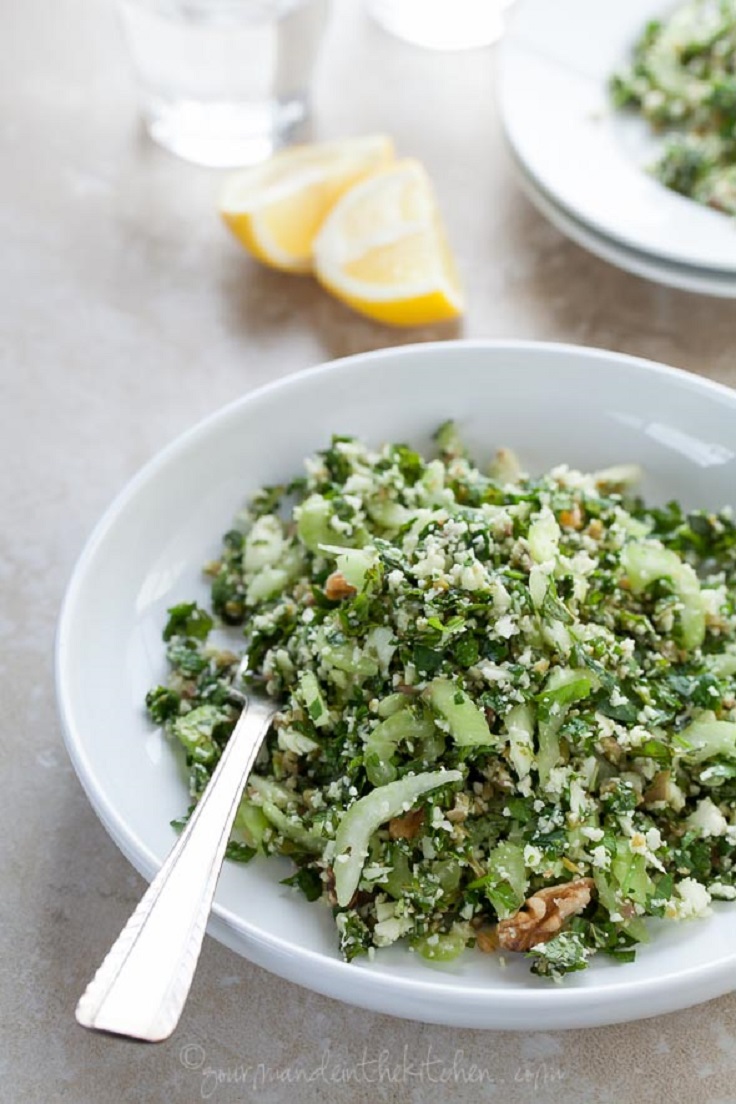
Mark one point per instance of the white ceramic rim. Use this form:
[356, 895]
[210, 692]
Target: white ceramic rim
[684, 278]
[573, 149]
[409, 998]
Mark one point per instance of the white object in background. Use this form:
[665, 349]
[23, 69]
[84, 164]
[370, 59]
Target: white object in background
[702, 281]
[442, 24]
[223, 82]
[592, 161]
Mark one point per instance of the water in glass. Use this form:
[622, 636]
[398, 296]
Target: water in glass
[223, 82]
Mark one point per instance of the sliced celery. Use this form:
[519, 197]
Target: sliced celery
[707, 737]
[505, 883]
[309, 841]
[630, 872]
[351, 659]
[723, 665]
[399, 877]
[388, 514]
[266, 583]
[643, 563]
[271, 791]
[563, 687]
[544, 538]
[251, 822]
[381, 642]
[369, 813]
[635, 927]
[538, 585]
[520, 723]
[313, 524]
[467, 724]
[392, 703]
[449, 873]
[441, 946]
[352, 563]
[314, 702]
[381, 743]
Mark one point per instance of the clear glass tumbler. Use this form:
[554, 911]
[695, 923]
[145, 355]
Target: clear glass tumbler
[223, 82]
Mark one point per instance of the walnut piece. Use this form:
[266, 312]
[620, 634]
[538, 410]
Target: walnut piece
[572, 519]
[406, 826]
[541, 916]
[487, 940]
[338, 587]
[658, 789]
[612, 749]
[459, 811]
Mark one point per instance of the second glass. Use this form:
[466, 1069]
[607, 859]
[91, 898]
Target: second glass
[442, 24]
[224, 82]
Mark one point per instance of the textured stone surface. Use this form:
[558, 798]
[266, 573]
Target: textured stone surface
[127, 314]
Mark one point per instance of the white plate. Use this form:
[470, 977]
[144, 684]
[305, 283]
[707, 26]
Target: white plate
[556, 62]
[551, 402]
[640, 264]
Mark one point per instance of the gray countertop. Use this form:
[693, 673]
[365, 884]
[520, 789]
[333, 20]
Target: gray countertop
[128, 314]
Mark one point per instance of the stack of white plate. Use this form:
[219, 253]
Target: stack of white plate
[584, 164]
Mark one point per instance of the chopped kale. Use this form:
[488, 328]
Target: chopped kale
[489, 685]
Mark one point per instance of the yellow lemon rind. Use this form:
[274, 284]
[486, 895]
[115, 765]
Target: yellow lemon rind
[420, 308]
[396, 269]
[276, 210]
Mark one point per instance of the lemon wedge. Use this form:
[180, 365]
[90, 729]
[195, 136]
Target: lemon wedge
[275, 209]
[383, 250]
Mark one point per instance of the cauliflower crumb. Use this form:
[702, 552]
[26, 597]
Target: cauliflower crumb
[600, 858]
[707, 820]
[691, 899]
[506, 627]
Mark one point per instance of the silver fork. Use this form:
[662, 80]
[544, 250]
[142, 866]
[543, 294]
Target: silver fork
[143, 983]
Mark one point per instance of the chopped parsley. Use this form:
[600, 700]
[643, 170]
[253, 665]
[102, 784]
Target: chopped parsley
[491, 684]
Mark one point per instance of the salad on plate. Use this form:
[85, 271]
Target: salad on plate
[682, 79]
[508, 703]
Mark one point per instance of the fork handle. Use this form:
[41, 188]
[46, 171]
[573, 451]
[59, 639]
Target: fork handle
[143, 983]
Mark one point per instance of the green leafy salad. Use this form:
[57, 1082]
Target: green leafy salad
[683, 80]
[508, 710]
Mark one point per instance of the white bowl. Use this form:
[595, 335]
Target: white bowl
[552, 403]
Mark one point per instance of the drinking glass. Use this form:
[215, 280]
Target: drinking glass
[442, 24]
[223, 82]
